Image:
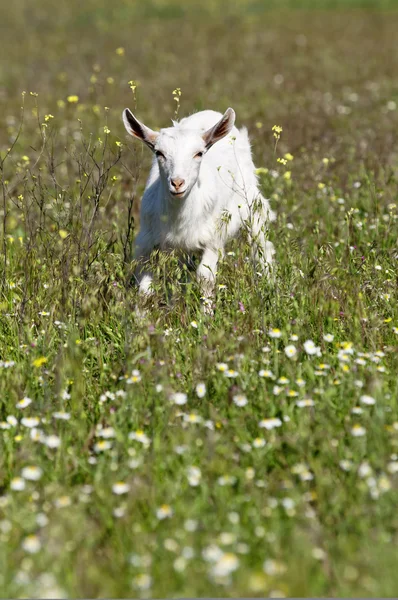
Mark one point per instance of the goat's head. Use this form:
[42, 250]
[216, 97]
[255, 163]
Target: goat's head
[179, 151]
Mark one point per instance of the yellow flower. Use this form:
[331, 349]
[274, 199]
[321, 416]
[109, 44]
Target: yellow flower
[63, 234]
[289, 156]
[120, 51]
[321, 186]
[39, 362]
[287, 175]
[106, 130]
[73, 99]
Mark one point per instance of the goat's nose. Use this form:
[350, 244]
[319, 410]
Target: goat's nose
[177, 182]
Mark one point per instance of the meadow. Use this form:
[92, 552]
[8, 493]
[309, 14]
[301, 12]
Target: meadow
[249, 453]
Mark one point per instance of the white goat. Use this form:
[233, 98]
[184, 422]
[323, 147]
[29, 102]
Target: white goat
[202, 189]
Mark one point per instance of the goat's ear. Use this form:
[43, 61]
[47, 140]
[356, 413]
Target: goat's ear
[139, 130]
[220, 129]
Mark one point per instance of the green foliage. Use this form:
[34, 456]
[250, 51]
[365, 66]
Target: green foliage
[168, 453]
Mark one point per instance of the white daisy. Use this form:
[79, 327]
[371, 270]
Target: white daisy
[270, 423]
[240, 400]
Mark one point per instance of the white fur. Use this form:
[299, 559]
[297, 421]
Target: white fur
[220, 195]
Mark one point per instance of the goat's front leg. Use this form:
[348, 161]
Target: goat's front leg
[142, 273]
[206, 275]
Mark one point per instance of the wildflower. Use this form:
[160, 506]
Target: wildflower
[305, 403]
[358, 430]
[11, 420]
[61, 415]
[346, 465]
[37, 435]
[212, 553]
[311, 349]
[364, 470]
[274, 567]
[259, 443]
[275, 333]
[17, 484]
[270, 423]
[106, 130]
[106, 432]
[120, 51]
[120, 488]
[240, 400]
[102, 446]
[63, 234]
[192, 418]
[52, 441]
[63, 502]
[392, 467]
[30, 421]
[194, 476]
[230, 373]
[201, 390]
[226, 480]
[135, 377]
[32, 473]
[384, 484]
[164, 512]
[140, 436]
[294, 338]
[328, 337]
[73, 99]
[225, 565]
[290, 351]
[31, 544]
[142, 581]
[179, 398]
[39, 362]
[266, 373]
[276, 390]
[367, 400]
[194, 324]
[190, 525]
[24, 402]
[250, 473]
[303, 471]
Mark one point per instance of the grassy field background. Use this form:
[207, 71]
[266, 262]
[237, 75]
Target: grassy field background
[183, 455]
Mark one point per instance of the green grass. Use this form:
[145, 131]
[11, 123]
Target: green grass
[304, 509]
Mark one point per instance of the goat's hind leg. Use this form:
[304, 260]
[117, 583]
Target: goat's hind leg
[262, 249]
[206, 276]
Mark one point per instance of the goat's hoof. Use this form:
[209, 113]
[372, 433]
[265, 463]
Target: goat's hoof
[208, 307]
[140, 313]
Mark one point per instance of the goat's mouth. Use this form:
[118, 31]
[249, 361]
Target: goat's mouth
[178, 194]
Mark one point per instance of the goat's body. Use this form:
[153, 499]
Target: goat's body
[224, 198]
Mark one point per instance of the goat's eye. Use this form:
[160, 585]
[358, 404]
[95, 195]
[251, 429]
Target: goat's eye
[159, 154]
[198, 155]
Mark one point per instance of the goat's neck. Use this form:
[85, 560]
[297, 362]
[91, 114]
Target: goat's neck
[177, 208]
